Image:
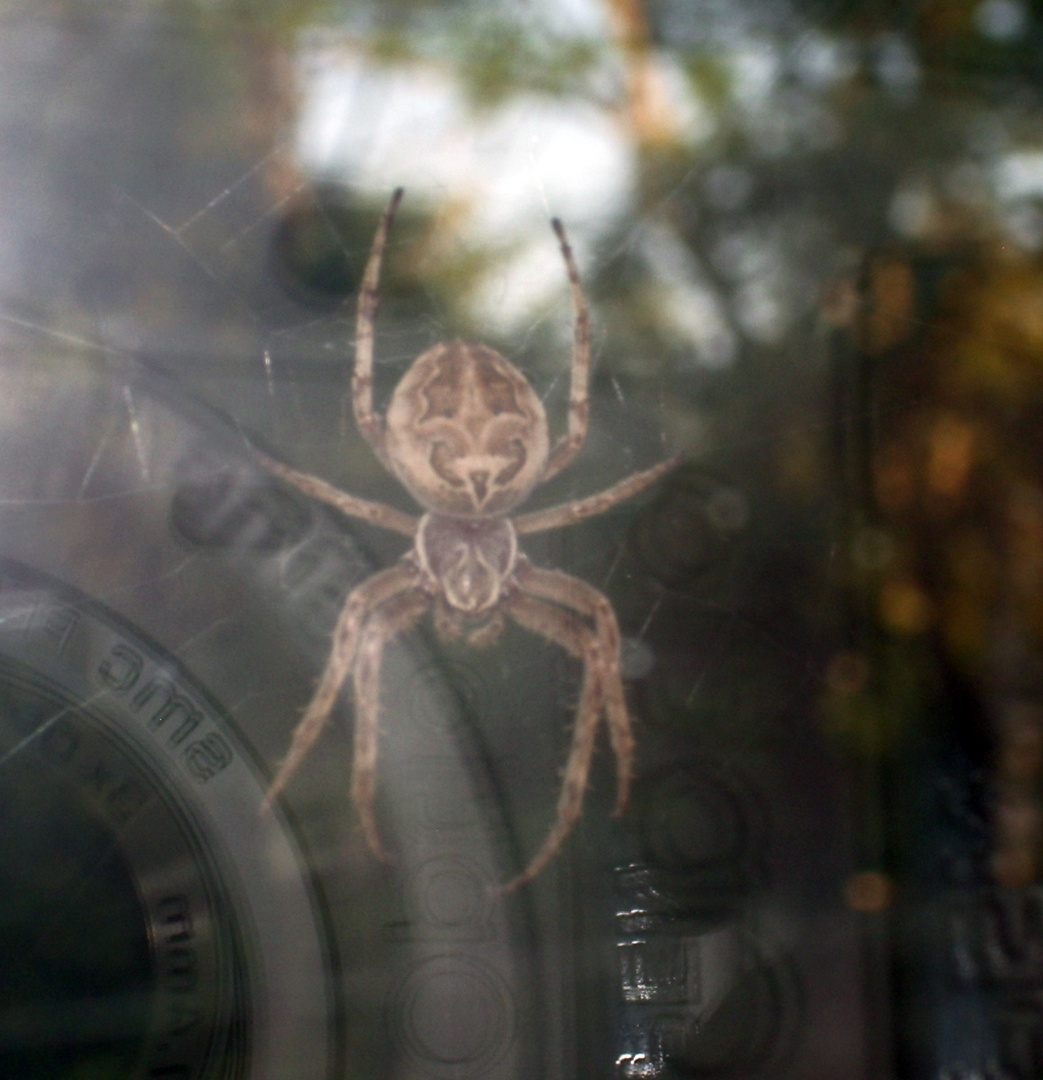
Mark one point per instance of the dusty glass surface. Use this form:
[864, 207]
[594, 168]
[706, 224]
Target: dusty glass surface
[810, 238]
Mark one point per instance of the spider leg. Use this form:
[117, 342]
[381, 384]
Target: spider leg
[360, 603]
[397, 615]
[371, 424]
[568, 446]
[553, 517]
[375, 513]
[576, 594]
[564, 629]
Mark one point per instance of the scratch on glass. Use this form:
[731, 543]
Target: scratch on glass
[43, 728]
[135, 431]
[262, 218]
[652, 612]
[103, 443]
[269, 378]
[226, 192]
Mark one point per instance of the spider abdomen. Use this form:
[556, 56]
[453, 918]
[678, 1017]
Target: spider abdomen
[469, 559]
[466, 433]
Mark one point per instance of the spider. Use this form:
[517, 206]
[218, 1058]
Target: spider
[467, 436]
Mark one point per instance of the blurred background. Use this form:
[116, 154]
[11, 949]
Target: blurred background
[811, 234]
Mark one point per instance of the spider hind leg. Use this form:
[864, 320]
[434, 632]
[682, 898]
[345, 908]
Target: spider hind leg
[577, 595]
[394, 617]
[358, 606]
[564, 628]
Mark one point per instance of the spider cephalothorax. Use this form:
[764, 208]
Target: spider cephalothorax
[466, 434]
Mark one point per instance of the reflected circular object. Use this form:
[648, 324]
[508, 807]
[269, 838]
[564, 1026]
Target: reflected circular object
[636, 658]
[455, 1017]
[751, 1031]
[142, 950]
[454, 893]
[689, 528]
[163, 925]
[693, 821]
[704, 825]
[233, 509]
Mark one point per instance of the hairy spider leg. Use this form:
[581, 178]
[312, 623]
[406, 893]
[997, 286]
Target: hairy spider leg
[395, 616]
[371, 423]
[375, 513]
[568, 446]
[567, 630]
[553, 517]
[570, 592]
[358, 607]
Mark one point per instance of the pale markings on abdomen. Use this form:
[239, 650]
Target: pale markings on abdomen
[441, 455]
[459, 366]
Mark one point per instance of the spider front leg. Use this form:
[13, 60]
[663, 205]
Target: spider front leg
[370, 423]
[386, 517]
[568, 446]
[554, 517]
[566, 630]
[360, 603]
[394, 617]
